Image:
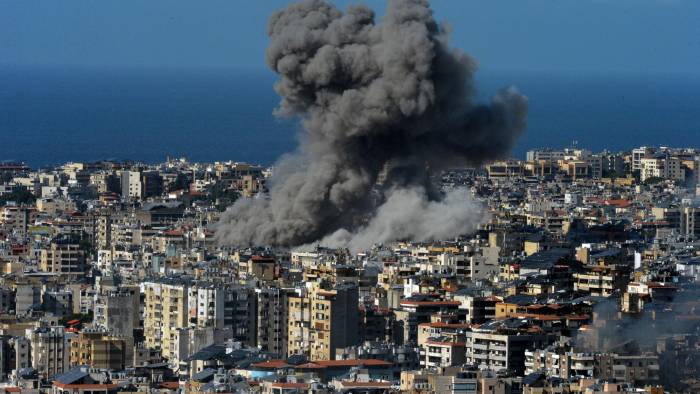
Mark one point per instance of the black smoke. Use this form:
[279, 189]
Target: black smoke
[390, 99]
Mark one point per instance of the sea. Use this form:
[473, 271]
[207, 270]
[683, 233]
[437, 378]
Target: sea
[50, 116]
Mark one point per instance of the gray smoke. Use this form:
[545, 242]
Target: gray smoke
[409, 214]
[389, 98]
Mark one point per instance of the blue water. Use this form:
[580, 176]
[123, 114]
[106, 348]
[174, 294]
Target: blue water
[54, 116]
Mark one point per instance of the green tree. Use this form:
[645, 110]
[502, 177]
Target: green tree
[19, 195]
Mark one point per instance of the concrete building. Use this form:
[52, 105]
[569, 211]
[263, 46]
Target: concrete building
[224, 306]
[131, 184]
[64, 256]
[298, 324]
[501, 351]
[414, 312]
[545, 155]
[438, 353]
[640, 153]
[100, 350]
[334, 320]
[59, 303]
[165, 310]
[50, 350]
[690, 221]
[117, 312]
[17, 218]
[322, 321]
[271, 320]
[662, 166]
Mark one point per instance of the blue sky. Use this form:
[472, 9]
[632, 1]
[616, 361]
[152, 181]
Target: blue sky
[639, 36]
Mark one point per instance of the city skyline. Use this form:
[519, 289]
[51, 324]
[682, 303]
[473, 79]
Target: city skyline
[506, 203]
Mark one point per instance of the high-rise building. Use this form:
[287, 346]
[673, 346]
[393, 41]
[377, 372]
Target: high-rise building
[117, 312]
[640, 153]
[271, 320]
[50, 350]
[165, 310]
[690, 221]
[224, 306]
[321, 321]
[131, 184]
[64, 256]
[100, 350]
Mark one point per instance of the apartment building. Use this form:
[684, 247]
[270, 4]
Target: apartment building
[63, 256]
[224, 306]
[165, 310]
[501, 351]
[298, 324]
[413, 312]
[437, 353]
[638, 154]
[100, 350]
[321, 321]
[49, 350]
[564, 363]
[601, 280]
[334, 320]
[117, 312]
[271, 320]
[690, 221]
[131, 184]
[662, 166]
[17, 218]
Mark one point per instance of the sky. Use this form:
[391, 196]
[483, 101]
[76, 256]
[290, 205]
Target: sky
[593, 36]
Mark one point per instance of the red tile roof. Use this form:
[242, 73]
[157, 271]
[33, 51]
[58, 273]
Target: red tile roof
[286, 385]
[91, 386]
[272, 364]
[309, 366]
[431, 303]
[352, 363]
[365, 384]
[446, 325]
[170, 385]
[444, 343]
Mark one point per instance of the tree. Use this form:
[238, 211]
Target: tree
[653, 180]
[19, 195]
[182, 181]
[222, 196]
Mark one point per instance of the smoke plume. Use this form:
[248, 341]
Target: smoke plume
[408, 214]
[383, 106]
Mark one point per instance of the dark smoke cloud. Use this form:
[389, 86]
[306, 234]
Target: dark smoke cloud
[677, 316]
[389, 98]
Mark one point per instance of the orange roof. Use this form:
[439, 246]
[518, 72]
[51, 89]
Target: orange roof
[309, 366]
[271, 364]
[618, 203]
[444, 343]
[258, 258]
[286, 385]
[656, 285]
[446, 325]
[13, 389]
[352, 363]
[431, 303]
[170, 385]
[365, 384]
[90, 386]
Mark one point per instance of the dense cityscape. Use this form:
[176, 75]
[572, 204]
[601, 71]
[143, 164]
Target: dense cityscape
[581, 279]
